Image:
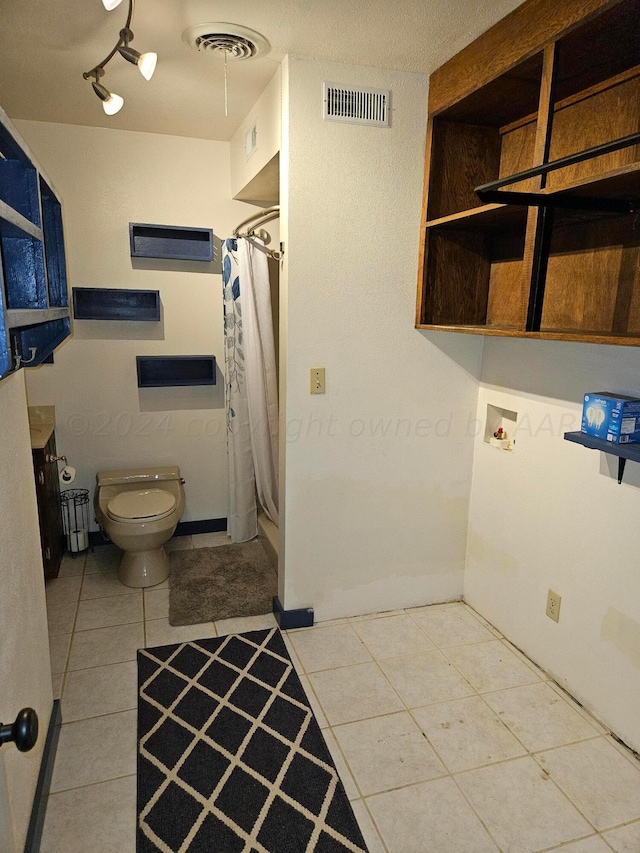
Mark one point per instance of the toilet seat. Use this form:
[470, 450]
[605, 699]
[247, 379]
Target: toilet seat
[141, 505]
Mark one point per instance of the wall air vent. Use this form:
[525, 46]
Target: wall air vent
[355, 105]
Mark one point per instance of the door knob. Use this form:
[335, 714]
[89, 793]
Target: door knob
[23, 731]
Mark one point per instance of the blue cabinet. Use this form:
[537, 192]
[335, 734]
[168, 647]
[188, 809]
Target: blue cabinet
[34, 305]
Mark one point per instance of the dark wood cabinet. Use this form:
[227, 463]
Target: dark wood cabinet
[559, 260]
[49, 507]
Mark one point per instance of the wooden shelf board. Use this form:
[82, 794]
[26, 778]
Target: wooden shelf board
[623, 182]
[8, 214]
[19, 317]
[624, 451]
[483, 218]
[574, 336]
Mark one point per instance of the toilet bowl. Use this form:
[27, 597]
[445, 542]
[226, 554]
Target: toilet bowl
[139, 511]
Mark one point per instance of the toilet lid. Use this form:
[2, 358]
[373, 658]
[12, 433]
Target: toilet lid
[141, 503]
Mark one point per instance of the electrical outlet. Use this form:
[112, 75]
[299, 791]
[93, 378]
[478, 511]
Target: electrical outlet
[317, 380]
[553, 605]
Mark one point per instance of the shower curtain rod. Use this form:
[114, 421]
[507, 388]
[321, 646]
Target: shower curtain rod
[265, 215]
[259, 219]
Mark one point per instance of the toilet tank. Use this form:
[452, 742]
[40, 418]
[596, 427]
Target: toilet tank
[140, 476]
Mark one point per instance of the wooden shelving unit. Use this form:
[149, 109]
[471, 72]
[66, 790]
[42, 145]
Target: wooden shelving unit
[110, 303]
[548, 81]
[34, 313]
[170, 242]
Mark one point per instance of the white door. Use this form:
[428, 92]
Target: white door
[25, 670]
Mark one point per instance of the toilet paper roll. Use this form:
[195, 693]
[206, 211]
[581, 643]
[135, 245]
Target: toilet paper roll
[77, 540]
[67, 475]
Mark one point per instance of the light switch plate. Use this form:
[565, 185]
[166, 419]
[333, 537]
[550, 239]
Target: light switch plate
[317, 380]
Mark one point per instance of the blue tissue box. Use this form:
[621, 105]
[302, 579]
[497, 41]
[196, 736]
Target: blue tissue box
[611, 417]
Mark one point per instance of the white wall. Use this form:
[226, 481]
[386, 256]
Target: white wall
[108, 178]
[25, 671]
[266, 115]
[553, 515]
[372, 521]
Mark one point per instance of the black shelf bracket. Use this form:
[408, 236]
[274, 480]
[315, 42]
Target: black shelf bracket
[493, 192]
[622, 451]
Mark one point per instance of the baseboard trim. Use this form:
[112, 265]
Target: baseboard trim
[207, 525]
[184, 528]
[41, 796]
[288, 619]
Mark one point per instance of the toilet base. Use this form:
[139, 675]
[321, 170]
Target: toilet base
[144, 568]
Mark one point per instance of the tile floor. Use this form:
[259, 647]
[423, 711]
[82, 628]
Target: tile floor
[447, 739]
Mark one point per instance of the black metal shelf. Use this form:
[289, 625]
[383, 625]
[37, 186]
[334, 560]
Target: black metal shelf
[622, 451]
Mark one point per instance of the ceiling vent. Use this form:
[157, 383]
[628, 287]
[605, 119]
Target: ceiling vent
[356, 105]
[230, 41]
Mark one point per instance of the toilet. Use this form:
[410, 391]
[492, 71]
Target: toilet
[139, 511]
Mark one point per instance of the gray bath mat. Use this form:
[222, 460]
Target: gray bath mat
[206, 584]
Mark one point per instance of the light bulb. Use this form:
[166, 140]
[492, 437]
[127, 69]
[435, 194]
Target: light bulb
[147, 64]
[113, 104]
[591, 415]
[599, 417]
[109, 5]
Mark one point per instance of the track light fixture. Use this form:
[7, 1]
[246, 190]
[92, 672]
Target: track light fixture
[146, 62]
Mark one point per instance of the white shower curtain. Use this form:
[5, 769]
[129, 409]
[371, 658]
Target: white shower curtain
[252, 401]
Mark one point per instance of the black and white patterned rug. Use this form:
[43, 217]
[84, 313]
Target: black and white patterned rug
[230, 756]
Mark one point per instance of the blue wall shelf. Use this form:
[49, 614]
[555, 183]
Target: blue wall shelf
[169, 370]
[171, 242]
[101, 303]
[622, 451]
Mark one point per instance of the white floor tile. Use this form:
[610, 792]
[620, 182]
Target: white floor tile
[368, 830]
[95, 750]
[432, 817]
[61, 617]
[603, 784]
[326, 648]
[387, 752]
[179, 543]
[100, 818]
[59, 652]
[62, 590]
[593, 844]
[160, 633]
[466, 733]
[156, 604]
[354, 693]
[313, 701]
[245, 623]
[425, 678]
[112, 610]
[450, 626]
[522, 809]
[72, 566]
[103, 584]
[539, 717]
[490, 666]
[341, 766]
[624, 840]
[392, 637]
[104, 558]
[101, 690]
[56, 685]
[103, 646]
[210, 540]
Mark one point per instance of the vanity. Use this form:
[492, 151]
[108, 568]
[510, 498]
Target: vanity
[45, 468]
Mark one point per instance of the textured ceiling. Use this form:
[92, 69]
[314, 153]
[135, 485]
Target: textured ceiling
[45, 47]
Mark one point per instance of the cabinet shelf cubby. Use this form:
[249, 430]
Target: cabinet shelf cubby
[97, 303]
[170, 242]
[556, 85]
[172, 370]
